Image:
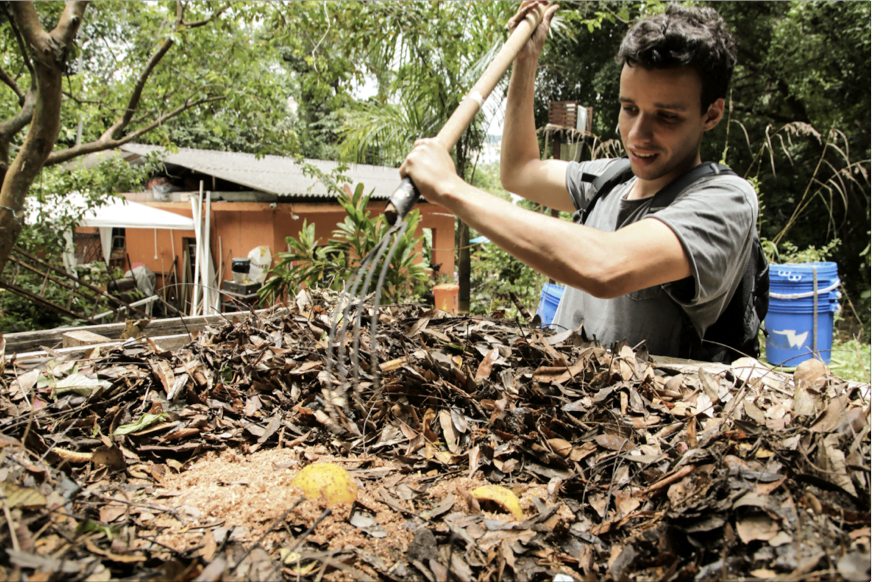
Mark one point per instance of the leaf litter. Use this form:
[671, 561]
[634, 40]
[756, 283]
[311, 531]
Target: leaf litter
[489, 450]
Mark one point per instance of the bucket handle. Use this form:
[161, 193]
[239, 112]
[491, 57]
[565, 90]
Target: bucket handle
[790, 276]
[832, 287]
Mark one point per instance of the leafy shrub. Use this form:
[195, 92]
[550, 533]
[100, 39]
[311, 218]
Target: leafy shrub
[50, 213]
[496, 274]
[332, 265]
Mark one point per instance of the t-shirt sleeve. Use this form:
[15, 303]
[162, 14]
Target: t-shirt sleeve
[579, 175]
[715, 222]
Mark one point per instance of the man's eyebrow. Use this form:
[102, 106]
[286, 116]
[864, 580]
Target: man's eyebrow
[672, 106]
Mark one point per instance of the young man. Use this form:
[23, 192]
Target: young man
[632, 272]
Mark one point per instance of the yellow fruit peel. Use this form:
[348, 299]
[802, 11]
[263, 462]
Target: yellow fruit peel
[326, 480]
[500, 496]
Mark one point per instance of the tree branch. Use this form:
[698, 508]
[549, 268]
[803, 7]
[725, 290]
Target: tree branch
[68, 26]
[16, 123]
[80, 101]
[105, 143]
[21, 46]
[49, 53]
[4, 76]
[206, 21]
[136, 94]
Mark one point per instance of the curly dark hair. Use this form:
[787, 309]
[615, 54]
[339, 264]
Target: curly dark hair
[684, 37]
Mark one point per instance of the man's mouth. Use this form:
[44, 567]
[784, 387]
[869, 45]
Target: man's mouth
[643, 156]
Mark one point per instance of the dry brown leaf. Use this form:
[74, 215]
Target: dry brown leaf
[560, 446]
[832, 417]
[24, 497]
[756, 526]
[486, 365]
[613, 443]
[164, 373]
[448, 431]
[92, 547]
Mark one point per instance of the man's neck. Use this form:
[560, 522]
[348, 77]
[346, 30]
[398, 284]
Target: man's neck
[647, 188]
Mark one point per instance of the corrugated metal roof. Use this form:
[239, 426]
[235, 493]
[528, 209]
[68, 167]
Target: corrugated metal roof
[274, 174]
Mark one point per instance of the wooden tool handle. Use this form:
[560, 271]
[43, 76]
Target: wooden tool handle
[405, 197]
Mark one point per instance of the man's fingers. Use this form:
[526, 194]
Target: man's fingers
[549, 14]
[521, 14]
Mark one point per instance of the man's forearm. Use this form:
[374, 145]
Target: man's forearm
[569, 253]
[522, 171]
[520, 144]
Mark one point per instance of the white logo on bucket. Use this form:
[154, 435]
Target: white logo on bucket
[794, 340]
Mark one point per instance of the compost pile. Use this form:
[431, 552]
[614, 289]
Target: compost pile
[490, 450]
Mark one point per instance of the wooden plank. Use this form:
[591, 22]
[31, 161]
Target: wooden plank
[72, 339]
[17, 343]
[168, 343]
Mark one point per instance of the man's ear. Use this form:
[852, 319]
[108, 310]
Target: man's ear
[714, 114]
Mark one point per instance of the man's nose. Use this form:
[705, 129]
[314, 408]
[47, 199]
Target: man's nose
[642, 129]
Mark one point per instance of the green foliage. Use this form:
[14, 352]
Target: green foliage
[422, 77]
[851, 359]
[496, 274]
[51, 213]
[333, 265]
[787, 252]
[229, 66]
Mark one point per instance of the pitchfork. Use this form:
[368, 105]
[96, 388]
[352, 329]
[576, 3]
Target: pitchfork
[399, 205]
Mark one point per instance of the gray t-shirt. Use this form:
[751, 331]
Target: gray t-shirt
[713, 218]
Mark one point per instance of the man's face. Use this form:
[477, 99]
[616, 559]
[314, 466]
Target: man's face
[661, 121]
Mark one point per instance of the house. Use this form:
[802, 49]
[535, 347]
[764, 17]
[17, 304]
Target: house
[254, 202]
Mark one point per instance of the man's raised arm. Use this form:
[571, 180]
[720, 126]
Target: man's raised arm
[522, 172]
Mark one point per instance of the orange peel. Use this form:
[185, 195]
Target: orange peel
[502, 497]
[326, 480]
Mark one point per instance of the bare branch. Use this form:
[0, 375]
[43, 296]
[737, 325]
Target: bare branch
[21, 46]
[68, 26]
[206, 21]
[136, 94]
[105, 142]
[81, 101]
[4, 76]
[16, 123]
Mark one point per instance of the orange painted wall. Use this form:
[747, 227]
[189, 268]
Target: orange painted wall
[243, 226]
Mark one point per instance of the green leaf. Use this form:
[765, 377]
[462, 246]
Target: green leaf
[145, 421]
[78, 383]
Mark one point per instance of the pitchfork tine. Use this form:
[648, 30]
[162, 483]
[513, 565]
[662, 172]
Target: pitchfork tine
[375, 302]
[346, 309]
[355, 350]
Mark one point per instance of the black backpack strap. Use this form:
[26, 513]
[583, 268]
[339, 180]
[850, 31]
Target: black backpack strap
[617, 173]
[668, 193]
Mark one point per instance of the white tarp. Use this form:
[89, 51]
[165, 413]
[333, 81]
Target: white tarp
[118, 214]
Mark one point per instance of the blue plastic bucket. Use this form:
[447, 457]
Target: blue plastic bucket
[790, 321]
[548, 303]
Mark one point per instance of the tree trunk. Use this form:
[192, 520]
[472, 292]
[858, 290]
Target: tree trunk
[48, 56]
[463, 269]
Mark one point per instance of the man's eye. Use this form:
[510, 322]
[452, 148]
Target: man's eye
[668, 117]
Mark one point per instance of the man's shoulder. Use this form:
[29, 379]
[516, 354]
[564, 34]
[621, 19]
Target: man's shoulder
[592, 167]
[725, 180]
